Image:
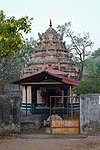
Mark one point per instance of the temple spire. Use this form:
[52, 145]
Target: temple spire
[50, 23]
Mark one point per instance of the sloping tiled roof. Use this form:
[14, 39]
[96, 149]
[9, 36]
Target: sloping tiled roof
[38, 76]
[66, 80]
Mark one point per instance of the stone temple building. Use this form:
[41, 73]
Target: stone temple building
[49, 76]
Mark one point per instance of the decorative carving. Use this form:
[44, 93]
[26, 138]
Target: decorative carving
[52, 49]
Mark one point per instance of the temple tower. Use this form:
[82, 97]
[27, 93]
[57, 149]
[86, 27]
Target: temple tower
[51, 52]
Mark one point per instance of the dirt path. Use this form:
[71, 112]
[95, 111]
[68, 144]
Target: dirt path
[42, 142]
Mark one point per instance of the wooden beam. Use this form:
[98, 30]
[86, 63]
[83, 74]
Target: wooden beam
[30, 83]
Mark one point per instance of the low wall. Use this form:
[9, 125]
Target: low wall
[90, 113]
[9, 114]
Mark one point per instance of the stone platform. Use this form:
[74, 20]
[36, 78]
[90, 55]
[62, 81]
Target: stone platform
[30, 122]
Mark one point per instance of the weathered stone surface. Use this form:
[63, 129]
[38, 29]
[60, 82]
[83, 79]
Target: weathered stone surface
[9, 114]
[32, 122]
[90, 113]
[51, 49]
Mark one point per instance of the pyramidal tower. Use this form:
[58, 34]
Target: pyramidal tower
[52, 53]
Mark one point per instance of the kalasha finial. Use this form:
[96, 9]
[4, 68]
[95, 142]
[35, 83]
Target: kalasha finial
[50, 23]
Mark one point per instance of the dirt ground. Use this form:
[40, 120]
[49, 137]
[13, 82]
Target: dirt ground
[50, 142]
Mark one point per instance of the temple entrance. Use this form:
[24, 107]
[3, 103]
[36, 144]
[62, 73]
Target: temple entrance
[44, 94]
[53, 92]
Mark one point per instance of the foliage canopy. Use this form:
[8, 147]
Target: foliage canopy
[91, 75]
[11, 67]
[11, 30]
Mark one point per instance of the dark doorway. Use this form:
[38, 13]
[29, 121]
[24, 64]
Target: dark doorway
[51, 92]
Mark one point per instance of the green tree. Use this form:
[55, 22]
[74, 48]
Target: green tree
[79, 44]
[96, 54]
[91, 76]
[11, 33]
[11, 67]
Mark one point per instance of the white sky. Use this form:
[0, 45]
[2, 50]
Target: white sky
[83, 14]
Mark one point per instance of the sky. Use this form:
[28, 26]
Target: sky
[83, 14]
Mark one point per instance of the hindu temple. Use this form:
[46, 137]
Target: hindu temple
[48, 78]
